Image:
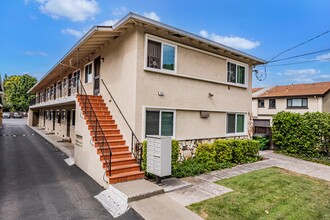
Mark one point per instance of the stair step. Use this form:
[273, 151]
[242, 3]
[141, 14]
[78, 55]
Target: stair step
[127, 176]
[123, 168]
[121, 161]
[118, 148]
[100, 121]
[112, 126]
[110, 142]
[108, 137]
[107, 131]
[116, 155]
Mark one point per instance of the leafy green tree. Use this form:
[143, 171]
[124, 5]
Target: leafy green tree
[15, 89]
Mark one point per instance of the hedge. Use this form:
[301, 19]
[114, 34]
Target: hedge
[305, 135]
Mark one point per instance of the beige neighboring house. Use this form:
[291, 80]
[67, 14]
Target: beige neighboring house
[164, 80]
[300, 98]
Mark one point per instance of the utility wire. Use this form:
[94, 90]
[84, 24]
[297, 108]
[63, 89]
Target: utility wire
[299, 45]
[309, 61]
[301, 55]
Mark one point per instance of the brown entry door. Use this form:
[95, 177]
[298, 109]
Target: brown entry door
[68, 121]
[97, 68]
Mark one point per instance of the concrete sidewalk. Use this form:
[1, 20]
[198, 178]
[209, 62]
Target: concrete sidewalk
[56, 141]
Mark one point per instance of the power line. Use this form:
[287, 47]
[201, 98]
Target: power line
[299, 45]
[301, 55]
[309, 61]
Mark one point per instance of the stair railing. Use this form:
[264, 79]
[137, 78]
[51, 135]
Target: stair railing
[136, 145]
[100, 138]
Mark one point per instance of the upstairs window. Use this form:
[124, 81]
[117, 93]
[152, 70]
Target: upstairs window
[297, 103]
[235, 73]
[88, 73]
[161, 56]
[261, 103]
[272, 103]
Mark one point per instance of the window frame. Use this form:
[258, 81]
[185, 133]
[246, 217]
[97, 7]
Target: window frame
[160, 120]
[244, 133]
[163, 42]
[63, 115]
[269, 104]
[263, 103]
[297, 107]
[92, 72]
[246, 73]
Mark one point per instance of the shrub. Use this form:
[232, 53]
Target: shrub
[245, 151]
[223, 151]
[205, 154]
[306, 135]
[264, 142]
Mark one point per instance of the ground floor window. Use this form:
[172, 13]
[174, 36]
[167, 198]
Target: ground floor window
[58, 116]
[235, 123]
[160, 122]
[63, 115]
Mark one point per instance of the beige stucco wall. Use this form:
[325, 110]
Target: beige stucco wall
[314, 105]
[190, 96]
[85, 155]
[326, 102]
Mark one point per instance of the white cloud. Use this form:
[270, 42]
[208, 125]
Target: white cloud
[303, 80]
[26, 2]
[204, 33]
[324, 57]
[109, 22]
[152, 15]
[231, 41]
[35, 53]
[75, 10]
[324, 76]
[119, 11]
[301, 72]
[73, 32]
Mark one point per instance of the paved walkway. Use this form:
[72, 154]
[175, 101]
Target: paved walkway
[36, 183]
[203, 186]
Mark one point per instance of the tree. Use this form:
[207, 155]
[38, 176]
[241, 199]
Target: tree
[15, 89]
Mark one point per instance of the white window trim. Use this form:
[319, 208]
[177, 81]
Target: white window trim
[144, 118]
[88, 74]
[63, 110]
[236, 133]
[162, 41]
[246, 73]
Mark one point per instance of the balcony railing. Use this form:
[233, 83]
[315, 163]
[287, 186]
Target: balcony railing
[60, 90]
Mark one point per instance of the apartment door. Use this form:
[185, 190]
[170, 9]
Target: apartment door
[68, 121]
[54, 120]
[44, 118]
[69, 84]
[97, 68]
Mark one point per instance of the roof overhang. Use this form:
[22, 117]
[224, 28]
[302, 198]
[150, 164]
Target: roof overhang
[100, 36]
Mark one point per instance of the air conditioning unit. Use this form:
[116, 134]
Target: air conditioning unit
[154, 62]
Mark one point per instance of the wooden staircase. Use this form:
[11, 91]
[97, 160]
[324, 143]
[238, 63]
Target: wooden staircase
[123, 165]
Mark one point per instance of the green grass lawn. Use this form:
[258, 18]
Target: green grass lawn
[271, 193]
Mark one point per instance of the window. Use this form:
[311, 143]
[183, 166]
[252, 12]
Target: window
[297, 103]
[272, 103]
[159, 123]
[235, 123]
[47, 114]
[88, 73]
[261, 103]
[51, 115]
[160, 55]
[63, 115]
[73, 117]
[235, 73]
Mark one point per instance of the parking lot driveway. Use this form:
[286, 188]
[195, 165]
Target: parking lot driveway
[36, 183]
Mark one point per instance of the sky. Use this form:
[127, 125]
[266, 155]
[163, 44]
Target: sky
[36, 34]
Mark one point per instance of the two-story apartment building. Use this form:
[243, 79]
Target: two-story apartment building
[162, 81]
[300, 98]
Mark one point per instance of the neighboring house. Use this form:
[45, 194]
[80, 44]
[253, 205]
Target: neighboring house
[165, 81]
[300, 98]
[1, 101]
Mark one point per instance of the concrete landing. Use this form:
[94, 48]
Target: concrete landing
[161, 207]
[199, 191]
[174, 184]
[138, 189]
